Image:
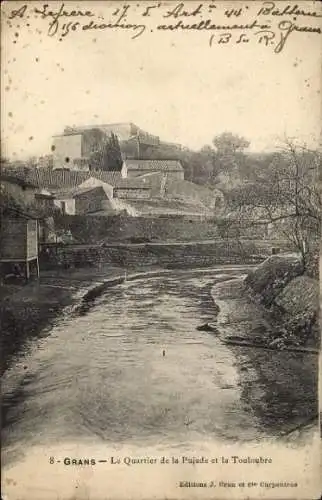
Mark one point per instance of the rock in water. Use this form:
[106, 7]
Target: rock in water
[207, 327]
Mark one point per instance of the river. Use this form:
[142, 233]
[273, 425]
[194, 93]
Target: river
[134, 370]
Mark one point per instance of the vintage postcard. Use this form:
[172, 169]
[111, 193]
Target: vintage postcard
[159, 256]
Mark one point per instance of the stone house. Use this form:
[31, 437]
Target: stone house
[66, 148]
[61, 185]
[127, 190]
[45, 201]
[73, 148]
[118, 188]
[91, 200]
[135, 168]
[95, 195]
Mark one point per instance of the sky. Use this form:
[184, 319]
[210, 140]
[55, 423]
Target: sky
[169, 84]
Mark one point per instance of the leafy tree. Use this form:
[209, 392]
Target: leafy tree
[228, 143]
[202, 165]
[225, 156]
[230, 157]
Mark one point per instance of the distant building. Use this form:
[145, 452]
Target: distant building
[91, 200]
[141, 187]
[66, 149]
[45, 201]
[95, 195]
[97, 200]
[72, 149]
[57, 188]
[135, 168]
[124, 131]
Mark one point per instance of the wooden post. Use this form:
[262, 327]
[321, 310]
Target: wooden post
[27, 270]
[37, 263]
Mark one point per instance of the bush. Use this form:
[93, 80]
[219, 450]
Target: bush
[270, 277]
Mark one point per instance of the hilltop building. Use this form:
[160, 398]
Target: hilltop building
[143, 186]
[72, 149]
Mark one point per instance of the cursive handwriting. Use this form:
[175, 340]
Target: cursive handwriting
[270, 9]
[179, 10]
[271, 24]
[287, 27]
[209, 25]
[138, 29]
[45, 13]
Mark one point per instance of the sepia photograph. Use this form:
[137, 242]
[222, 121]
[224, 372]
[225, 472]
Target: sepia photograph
[160, 214]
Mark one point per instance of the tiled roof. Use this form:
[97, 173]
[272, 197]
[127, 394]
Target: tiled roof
[65, 180]
[118, 182]
[156, 165]
[13, 179]
[88, 189]
[112, 177]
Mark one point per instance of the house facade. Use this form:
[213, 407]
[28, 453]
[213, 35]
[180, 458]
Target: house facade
[66, 149]
[92, 200]
[45, 201]
[72, 149]
[131, 193]
[135, 168]
[65, 202]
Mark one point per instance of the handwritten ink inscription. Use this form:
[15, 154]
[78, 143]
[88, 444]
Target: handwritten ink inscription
[269, 24]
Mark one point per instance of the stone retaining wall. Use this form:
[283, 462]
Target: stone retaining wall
[202, 254]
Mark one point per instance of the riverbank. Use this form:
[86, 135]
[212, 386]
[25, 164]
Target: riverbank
[282, 341]
[291, 299]
[27, 311]
[275, 306]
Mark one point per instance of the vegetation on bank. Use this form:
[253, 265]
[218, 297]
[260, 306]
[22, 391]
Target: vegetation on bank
[282, 285]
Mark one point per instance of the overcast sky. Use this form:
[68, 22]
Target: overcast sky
[172, 85]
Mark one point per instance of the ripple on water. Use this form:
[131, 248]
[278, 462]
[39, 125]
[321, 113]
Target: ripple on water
[104, 374]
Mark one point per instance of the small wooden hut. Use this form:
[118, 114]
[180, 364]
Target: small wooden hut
[19, 242]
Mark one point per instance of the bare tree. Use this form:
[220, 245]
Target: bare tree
[285, 196]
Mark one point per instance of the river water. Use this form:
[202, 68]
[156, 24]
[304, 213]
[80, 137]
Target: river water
[133, 369]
